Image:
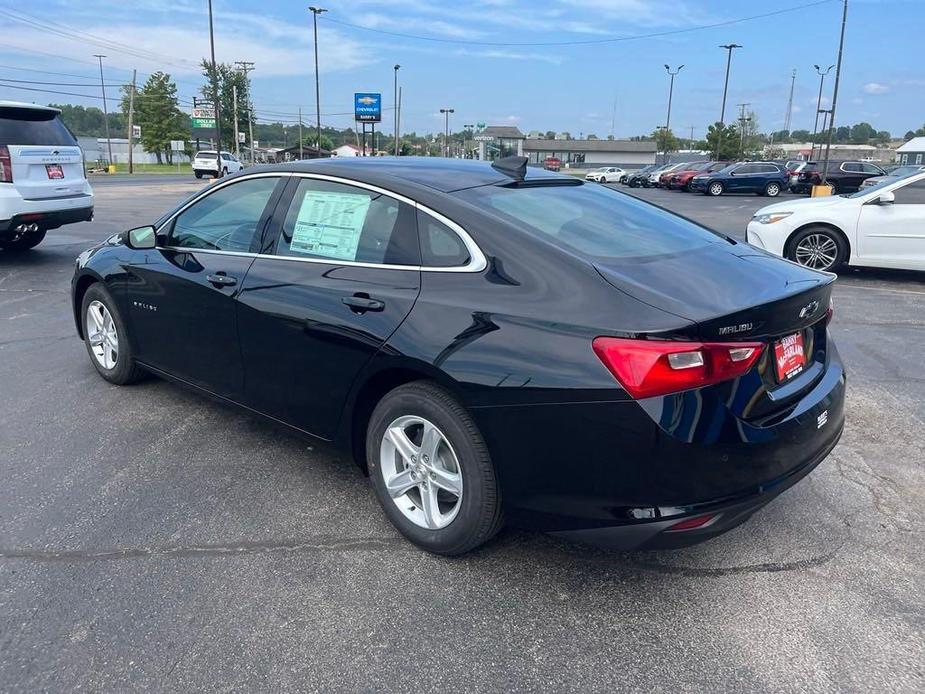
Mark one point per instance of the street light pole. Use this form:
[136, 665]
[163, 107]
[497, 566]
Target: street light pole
[841, 47]
[215, 95]
[467, 128]
[668, 118]
[315, 12]
[446, 130]
[106, 112]
[729, 47]
[822, 75]
[395, 103]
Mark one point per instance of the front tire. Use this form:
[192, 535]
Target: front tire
[715, 189]
[431, 470]
[26, 242]
[106, 337]
[818, 248]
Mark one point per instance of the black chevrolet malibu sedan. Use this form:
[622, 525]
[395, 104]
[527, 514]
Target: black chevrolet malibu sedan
[493, 344]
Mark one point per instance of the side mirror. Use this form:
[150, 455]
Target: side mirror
[141, 238]
[886, 198]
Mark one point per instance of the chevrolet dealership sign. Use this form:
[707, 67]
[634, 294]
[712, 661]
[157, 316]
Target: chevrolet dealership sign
[367, 107]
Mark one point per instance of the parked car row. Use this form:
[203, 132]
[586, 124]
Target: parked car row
[769, 178]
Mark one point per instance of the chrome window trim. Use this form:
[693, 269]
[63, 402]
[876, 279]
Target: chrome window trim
[477, 261]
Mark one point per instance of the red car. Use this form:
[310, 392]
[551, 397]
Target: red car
[552, 164]
[681, 180]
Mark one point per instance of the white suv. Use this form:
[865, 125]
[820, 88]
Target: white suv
[42, 181]
[207, 162]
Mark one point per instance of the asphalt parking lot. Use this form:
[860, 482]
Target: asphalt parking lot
[154, 540]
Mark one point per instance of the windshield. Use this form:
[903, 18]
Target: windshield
[887, 181]
[597, 222]
[905, 171]
[29, 126]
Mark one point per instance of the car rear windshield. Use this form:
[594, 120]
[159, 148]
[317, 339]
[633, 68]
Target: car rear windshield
[29, 126]
[206, 155]
[594, 221]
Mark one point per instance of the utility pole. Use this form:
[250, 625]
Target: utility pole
[301, 154]
[841, 47]
[446, 130]
[729, 47]
[246, 66]
[822, 74]
[234, 96]
[398, 114]
[668, 118]
[105, 110]
[467, 128]
[690, 142]
[315, 12]
[793, 81]
[395, 104]
[743, 124]
[613, 115]
[215, 95]
[131, 115]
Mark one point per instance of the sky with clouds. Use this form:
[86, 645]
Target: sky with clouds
[537, 64]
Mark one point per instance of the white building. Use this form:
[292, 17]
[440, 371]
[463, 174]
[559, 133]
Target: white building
[346, 151]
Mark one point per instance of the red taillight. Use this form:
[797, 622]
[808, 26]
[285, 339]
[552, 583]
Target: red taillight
[692, 523]
[646, 368]
[6, 165]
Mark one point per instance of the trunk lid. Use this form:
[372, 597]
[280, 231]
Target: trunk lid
[729, 291]
[738, 293]
[47, 172]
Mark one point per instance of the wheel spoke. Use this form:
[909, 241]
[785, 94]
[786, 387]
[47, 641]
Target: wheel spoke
[96, 317]
[401, 483]
[96, 338]
[429, 506]
[406, 449]
[446, 480]
[430, 442]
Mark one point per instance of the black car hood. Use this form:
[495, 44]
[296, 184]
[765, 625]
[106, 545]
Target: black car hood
[720, 283]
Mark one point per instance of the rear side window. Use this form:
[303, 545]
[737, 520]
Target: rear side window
[335, 221]
[769, 168]
[594, 221]
[440, 245]
[853, 168]
[26, 126]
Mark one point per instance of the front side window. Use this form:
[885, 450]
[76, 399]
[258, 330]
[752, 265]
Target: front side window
[871, 169]
[225, 220]
[595, 221]
[911, 194]
[340, 222]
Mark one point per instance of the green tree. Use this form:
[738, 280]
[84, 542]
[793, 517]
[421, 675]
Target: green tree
[592, 136]
[724, 141]
[781, 136]
[225, 78]
[665, 140]
[883, 137]
[800, 136]
[909, 135]
[862, 133]
[550, 134]
[157, 114]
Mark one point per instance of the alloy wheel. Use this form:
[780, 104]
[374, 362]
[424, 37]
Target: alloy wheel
[716, 189]
[817, 251]
[421, 472]
[102, 335]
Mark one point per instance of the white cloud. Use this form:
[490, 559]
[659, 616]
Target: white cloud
[876, 88]
[504, 54]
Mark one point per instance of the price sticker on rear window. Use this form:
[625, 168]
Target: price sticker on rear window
[788, 356]
[330, 224]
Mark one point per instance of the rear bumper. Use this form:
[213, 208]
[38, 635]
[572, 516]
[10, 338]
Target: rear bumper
[47, 219]
[725, 516]
[623, 472]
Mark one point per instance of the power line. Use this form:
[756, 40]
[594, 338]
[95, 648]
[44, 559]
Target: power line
[585, 42]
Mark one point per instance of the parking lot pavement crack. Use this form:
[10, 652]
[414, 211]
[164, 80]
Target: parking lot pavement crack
[715, 572]
[206, 550]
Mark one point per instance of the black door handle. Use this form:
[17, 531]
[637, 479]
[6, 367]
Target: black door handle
[359, 303]
[222, 280]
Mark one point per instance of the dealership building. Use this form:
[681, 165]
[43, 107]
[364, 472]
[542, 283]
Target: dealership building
[501, 141]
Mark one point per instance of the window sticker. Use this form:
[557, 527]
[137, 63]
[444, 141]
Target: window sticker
[330, 224]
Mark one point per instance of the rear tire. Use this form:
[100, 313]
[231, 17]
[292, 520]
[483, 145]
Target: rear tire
[198, 174]
[115, 362]
[24, 243]
[818, 248]
[464, 520]
[772, 190]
